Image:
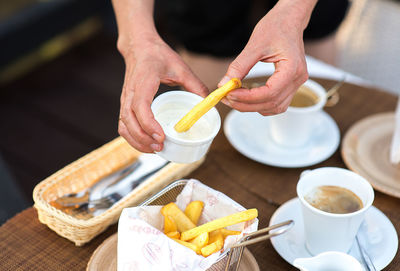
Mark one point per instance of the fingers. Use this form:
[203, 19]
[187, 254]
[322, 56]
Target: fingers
[241, 66]
[275, 96]
[143, 75]
[288, 74]
[188, 80]
[269, 107]
[193, 84]
[137, 124]
[133, 140]
[140, 104]
[282, 108]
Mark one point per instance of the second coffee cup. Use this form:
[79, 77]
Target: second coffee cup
[295, 127]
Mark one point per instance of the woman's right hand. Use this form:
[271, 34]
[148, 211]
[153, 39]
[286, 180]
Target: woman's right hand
[149, 62]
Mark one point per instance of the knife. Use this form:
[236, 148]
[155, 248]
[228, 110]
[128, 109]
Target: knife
[395, 148]
[149, 164]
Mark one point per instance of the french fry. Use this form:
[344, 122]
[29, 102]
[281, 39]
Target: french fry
[213, 247]
[200, 240]
[226, 232]
[183, 223]
[219, 223]
[193, 210]
[169, 224]
[215, 235]
[188, 245]
[205, 105]
[174, 234]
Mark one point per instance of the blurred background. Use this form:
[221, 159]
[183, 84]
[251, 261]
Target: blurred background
[61, 78]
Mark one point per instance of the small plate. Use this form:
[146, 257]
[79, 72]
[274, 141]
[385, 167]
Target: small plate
[377, 235]
[366, 150]
[104, 258]
[248, 134]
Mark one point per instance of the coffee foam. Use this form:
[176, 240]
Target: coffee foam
[334, 199]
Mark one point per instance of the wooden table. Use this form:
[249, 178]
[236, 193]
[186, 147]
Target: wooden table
[25, 244]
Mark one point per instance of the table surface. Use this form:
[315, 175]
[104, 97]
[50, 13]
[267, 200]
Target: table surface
[26, 244]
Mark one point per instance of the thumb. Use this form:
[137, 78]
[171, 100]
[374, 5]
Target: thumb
[193, 84]
[240, 67]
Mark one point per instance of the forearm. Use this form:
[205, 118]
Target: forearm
[135, 23]
[298, 10]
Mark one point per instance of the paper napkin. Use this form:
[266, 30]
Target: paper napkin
[142, 245]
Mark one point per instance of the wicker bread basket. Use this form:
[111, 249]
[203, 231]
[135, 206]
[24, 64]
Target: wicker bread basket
[85, 172]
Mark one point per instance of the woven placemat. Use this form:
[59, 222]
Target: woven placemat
[26, 244]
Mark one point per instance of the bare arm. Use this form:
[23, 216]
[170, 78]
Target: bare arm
[149, 61]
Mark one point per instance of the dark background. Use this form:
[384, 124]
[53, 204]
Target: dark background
[60, 83]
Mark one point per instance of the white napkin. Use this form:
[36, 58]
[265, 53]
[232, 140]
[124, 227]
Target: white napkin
[143, 246]
[395, 148]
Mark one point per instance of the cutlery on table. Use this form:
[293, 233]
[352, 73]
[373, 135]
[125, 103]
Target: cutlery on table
[104, 193]
[332, 95]
[365, 257]
[78, 198]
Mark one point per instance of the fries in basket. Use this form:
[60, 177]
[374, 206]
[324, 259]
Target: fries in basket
[204, 239]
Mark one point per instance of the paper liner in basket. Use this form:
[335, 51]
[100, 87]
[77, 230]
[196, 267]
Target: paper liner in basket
[142, 245]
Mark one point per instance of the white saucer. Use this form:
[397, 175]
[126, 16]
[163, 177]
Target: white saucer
[248, 133]
[377, 235]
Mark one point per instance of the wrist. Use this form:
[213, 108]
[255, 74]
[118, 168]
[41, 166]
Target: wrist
[128, 43]
[297, 11]
[135, 24]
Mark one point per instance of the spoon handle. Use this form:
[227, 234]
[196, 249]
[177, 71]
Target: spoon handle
[365, 257]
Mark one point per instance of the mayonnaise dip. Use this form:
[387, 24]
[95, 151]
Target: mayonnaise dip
[170, 113]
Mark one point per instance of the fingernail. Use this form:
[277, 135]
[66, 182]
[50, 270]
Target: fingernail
[155, 147]
[231, 97]
[226, 101]
[223, 81]
[157, 137]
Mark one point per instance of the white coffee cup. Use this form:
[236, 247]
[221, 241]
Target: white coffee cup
[295, 127]
[182, 148]
[328, 231]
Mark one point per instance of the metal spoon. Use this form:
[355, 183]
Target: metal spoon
[365, 257]
[332, 96]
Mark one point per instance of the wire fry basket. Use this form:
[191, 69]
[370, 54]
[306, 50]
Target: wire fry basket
[229, 260]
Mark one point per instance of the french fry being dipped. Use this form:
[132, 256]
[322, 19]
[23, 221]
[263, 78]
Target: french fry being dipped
[205, 105]
[220, 223]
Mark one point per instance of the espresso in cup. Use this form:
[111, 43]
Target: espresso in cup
[329, 229]
[334, 199]
[304, 97]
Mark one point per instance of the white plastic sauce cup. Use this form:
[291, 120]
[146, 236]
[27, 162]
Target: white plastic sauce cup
[184, 150]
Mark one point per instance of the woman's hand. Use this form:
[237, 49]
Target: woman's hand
[149, 61]
[277, 38]
[148, 64]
